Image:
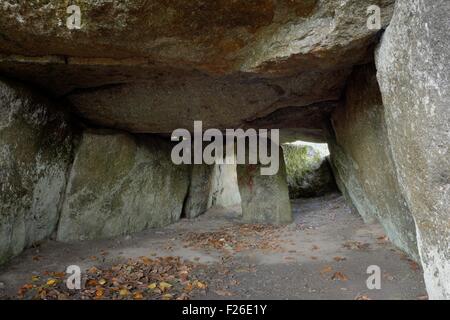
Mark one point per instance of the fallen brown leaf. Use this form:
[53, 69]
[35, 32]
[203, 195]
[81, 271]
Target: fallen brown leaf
[167, 296]
[52, 282]
[99, 293]
[339, 259]
[138, 296]
[339, 276]
[326, 269]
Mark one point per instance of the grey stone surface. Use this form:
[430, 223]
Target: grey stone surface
[121, 184]
[200, 189]
[154, 67]
[363, 163]
[264, 198]
[216, 37]
[225, 186]
[35, 152]
[191, 60]
[171, 102]
[414, 76]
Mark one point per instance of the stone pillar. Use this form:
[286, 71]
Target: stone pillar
[35, 153]
[264, 199]
[225, 191]
[119, 184]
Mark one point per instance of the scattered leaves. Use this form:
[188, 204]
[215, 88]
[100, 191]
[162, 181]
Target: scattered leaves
[165, 278]
[356, 245]
[237, 238]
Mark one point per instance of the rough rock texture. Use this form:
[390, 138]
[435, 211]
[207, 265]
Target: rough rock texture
[121, 184]
[200, 189]
[225, 186]
[362, 160]
[218, 36]
[35, 151]
[308, 122]
[166, 104]
[155, 66]
[308, 174]
[195, 60]
[414, 76]
[264, 199]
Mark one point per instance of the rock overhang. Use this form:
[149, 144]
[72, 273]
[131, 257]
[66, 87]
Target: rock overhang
[154, 67]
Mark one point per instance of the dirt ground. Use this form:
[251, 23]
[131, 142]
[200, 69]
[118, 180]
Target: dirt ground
[324, 254]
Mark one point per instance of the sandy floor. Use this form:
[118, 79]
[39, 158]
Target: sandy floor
[323, 255]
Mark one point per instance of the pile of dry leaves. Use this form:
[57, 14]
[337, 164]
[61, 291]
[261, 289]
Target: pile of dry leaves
[164, 278]
[237, 238]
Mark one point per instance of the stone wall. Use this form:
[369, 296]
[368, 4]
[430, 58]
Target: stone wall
[121, 184]
[264, 198]
[362, 160]
[96, 184]
[35, 152]
[200, 190]
[391, 135]
[414, 76]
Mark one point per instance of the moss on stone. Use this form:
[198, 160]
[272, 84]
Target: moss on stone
[120, 184]
[35, 152]
[308, 174]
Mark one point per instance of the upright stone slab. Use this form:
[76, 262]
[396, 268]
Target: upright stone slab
[264, 199]
[35, 152]
[362, 160]
[120, 184]
[225, 186]
[414, 76]
[200, 189]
